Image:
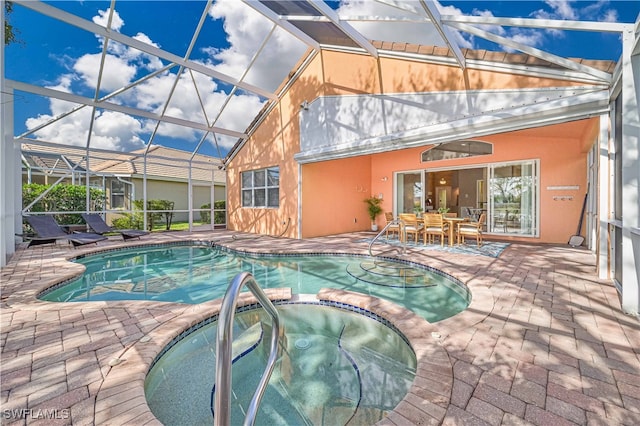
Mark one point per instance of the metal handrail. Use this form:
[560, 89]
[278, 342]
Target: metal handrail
[400, 232]
[224, 339]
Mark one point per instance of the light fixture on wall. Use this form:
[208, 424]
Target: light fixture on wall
[384, 179]
[443, 181]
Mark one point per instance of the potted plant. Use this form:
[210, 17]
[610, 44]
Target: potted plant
[374, 208]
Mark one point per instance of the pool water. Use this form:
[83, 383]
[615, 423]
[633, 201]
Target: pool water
[195, 274]
[335, 367]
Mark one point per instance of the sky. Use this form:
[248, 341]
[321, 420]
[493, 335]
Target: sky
[55, 55]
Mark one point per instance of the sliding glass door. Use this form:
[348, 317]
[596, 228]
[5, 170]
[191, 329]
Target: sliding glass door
[507, 193]
[409, 192]
[513, 198]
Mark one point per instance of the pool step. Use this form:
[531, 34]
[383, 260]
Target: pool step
[247, 341]
[390, 274]
[374, 405]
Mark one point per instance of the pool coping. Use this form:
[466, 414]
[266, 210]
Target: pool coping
[121, 399]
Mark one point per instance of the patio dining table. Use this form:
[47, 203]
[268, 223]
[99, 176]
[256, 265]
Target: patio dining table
[452, 221]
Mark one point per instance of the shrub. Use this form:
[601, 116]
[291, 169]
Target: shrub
[62, 197]
[219, 214]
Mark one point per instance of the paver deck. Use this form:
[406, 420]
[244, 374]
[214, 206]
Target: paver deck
[543, 342]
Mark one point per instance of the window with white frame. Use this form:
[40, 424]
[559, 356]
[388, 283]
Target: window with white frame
[118, 194]
[261, 188]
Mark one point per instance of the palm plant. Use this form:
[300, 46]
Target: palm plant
[374, 208]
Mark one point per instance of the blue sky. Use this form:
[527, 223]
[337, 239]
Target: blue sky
[56, 55]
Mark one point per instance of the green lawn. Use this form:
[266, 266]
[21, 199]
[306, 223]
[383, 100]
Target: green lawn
[175, 226]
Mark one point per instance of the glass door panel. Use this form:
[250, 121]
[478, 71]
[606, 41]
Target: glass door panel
[513, 198]
[409, 192]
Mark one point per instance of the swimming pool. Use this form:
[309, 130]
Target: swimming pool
[336, 367]
[195, 273]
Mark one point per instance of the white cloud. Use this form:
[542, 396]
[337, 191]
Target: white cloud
[528, 38]
[117, 131]
[123, 65]
[610, 16]
[495, 29]
[103, 19]
[117, 71]
[563, 9]
[111, 130]
[246, 30]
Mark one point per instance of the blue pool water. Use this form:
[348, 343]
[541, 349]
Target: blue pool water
[198, 273]
[336, 367]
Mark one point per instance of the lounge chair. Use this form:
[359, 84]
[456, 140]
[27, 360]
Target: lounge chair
[48, 231]
[99, 226]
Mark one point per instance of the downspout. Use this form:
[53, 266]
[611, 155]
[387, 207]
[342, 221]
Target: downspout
[190, 195]
[299, 236]
[144, 190]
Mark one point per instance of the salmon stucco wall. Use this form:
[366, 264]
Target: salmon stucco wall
[333, 194]
[561, 150]
[273, 144]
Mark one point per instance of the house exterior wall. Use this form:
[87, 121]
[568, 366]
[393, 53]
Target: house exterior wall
[173, 191]
[331, 192]
[562, 163]
[179, 194]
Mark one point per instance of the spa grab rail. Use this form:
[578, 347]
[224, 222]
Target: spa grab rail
[400, 224]
[224, 339]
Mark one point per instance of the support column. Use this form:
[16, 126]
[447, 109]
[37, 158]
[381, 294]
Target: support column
[630, 172]
[604, 194]
[10, 165]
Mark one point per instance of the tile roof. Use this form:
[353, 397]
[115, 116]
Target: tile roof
[490, 56]
[162, 162]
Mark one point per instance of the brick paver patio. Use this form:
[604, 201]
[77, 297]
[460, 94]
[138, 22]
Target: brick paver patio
[543, 342]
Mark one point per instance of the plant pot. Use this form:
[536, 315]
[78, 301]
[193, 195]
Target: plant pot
[374, 227]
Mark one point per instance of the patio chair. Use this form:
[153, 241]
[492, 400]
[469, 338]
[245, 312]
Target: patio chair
[393, 229]
[48, 231]
[471, 229]
[434, 225]
[411, 226]
[99, 226]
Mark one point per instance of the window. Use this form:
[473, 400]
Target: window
[261, 188]
[459, 149]
[118, 194]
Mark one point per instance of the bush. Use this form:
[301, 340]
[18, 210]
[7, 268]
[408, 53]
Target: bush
[135, 220]
[153, 217]
[62, 197]
[219, 215]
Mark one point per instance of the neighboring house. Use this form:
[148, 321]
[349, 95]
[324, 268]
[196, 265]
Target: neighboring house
[121, 175]
[511, 135]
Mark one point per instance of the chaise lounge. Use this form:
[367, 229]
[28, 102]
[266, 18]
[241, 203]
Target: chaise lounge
[99, 226]
[48, 231]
